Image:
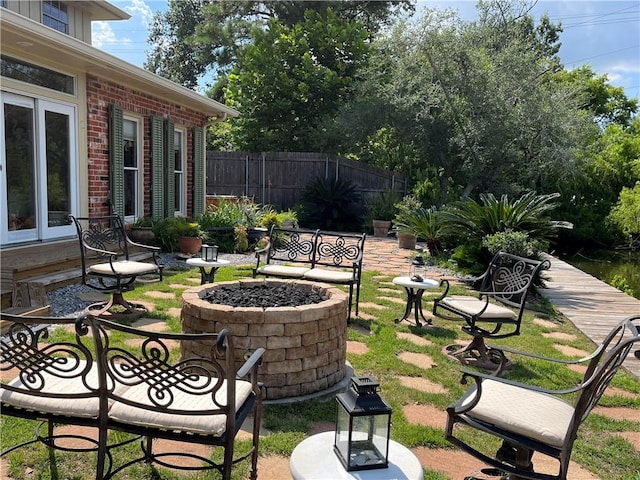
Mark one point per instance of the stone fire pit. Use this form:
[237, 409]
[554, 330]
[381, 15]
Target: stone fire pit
[305, 345]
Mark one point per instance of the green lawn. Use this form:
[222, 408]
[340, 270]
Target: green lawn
[597, 448]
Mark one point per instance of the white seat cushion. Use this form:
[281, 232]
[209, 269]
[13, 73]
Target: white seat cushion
[330, 276]
[472, 305]
[123, 267]
[202, 424]
[283, 271]
[532, 414]
[72, 384]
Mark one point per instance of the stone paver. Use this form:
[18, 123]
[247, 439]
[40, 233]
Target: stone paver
[420, 360]
[357, 348]
[569, 337]
[422, 384]
[427, 415]
[157, 294]
[571, 351]
[150, 325]
[415, 339]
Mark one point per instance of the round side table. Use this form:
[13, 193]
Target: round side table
[314, 459]
[414, 297]
[203, 265]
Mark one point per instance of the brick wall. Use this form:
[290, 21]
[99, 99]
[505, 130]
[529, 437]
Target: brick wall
[101, 93]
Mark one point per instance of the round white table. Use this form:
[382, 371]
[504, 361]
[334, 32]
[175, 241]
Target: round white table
[203, 265]
[414, 297]
[314, 459]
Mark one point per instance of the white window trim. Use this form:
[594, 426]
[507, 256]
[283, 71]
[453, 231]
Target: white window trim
[139, 209]
[181, 210]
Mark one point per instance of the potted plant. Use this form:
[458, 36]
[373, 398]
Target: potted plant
[381, 210]
[141, 231]
[189, 234]
[404, 221]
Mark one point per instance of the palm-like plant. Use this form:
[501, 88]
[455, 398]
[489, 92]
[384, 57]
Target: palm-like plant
[529, 213]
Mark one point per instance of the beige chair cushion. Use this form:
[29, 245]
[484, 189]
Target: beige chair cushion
[123, 267]
[330, 276]
[72, 384]
[283, 271]
[471, 306]
[532, 414]
[203, 424]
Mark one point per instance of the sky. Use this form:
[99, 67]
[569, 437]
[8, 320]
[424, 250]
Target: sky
[603, 34]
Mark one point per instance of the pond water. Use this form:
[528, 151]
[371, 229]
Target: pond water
[605, 264]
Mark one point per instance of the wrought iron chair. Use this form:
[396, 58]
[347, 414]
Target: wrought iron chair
[106, 265]
[508, 280]
[151, 393]
[530, 419]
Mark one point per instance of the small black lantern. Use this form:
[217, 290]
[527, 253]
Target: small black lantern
[210, 253]
[363, 426]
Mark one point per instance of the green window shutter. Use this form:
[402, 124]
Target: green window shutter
[157, 168]
[198, 171]
[116, 159]
[169, 165]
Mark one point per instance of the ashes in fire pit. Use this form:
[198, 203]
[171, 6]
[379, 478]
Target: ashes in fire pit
[269, 295]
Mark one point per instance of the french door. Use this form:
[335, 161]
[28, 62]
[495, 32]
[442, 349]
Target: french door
[38, 161]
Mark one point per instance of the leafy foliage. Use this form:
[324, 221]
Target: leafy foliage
[626, 213]
[529, 213]
[515, 243]
[195, 37]
[290, 78]
[383, 205]
[332, 204]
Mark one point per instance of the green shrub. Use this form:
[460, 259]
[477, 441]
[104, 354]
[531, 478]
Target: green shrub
[382, 206]
[515, 243]
[621, 283]
[332, 204]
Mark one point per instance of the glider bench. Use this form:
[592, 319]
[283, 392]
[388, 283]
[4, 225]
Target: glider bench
[314, 255]
[71, 371]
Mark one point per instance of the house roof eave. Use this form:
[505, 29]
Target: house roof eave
[37, 43]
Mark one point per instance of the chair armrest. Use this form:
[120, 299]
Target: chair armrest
[99, 250]
[444, 282]
[513, 351]
[251, 363]
[153, 248]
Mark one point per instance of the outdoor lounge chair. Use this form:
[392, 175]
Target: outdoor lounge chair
[530, 419]
[106, 266]
[508, 280]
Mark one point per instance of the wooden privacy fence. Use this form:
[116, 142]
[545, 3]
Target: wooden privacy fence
[279, 178]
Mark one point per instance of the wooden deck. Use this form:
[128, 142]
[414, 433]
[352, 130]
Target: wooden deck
[593, 306]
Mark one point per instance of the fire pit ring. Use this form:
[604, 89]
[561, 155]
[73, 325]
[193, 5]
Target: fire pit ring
[305, 345]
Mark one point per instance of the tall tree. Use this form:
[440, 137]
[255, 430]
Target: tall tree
[476, 99]
[195, 37]
[291, 77]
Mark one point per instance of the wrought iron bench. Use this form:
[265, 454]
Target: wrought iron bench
[507, 280]
[314, 255]
[138, 386]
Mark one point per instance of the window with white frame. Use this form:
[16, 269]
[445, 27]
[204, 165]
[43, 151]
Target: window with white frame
[54, 15]
[179, 171]
[132, 167]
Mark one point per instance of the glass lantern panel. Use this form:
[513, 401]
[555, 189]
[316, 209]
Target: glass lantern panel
[342, 433]
[367, 447]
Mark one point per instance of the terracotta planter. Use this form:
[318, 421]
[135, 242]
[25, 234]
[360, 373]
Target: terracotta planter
[381, 228]
[189, 245]
[406, 240]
